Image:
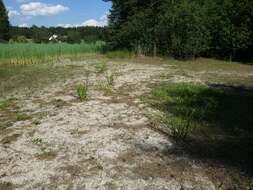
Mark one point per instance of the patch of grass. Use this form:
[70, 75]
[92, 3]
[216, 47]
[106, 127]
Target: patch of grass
[107, 89]
[212, 121]
[188, 106]
[107, 85]
[37, 141]
[4, 104]
[22, 117]
[82, 92]
[30, 53]
[121, 54]
[101, 67]
[30, 78]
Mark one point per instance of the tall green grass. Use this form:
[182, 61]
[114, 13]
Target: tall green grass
[185, 107]
[31, 52]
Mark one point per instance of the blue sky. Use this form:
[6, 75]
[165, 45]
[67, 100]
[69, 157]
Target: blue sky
[57, 12]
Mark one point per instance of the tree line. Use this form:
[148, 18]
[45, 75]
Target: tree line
[183, 28]
[42, 34]
[69, 35]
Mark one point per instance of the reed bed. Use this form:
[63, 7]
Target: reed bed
[31, 53]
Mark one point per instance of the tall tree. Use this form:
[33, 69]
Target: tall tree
[183, 29]
[4, 22]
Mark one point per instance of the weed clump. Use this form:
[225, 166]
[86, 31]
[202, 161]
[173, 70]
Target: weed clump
[82, 91]
[107, 85]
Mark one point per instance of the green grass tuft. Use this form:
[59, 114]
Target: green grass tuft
[82, 92]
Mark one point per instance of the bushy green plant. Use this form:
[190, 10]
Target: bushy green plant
[82, 92]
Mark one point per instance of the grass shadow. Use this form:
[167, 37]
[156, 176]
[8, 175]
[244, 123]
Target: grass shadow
[220, 118]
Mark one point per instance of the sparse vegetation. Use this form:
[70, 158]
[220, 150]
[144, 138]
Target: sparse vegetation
[107, 89]
[196, 118]
[22, 117]
[107, 85]
[37, 141]
[26, 78]
[101, 67]
[82, 91]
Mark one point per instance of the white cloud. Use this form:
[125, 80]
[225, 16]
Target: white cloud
[23, 1]
[24, 25]
[91, 22]
[42, 9]
[13, 13]
[102, 21]
[66, 25]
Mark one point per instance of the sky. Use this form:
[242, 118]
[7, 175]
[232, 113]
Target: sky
[65, 13]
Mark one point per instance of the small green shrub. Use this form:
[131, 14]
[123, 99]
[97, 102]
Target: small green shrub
[82, 91]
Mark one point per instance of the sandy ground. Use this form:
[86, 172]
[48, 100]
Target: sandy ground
[103, 143]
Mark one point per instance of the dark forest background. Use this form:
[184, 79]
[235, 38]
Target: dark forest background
[70, 35]
[182, 29]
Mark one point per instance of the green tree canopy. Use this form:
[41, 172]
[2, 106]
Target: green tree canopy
[183, 29]
[4, 22]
